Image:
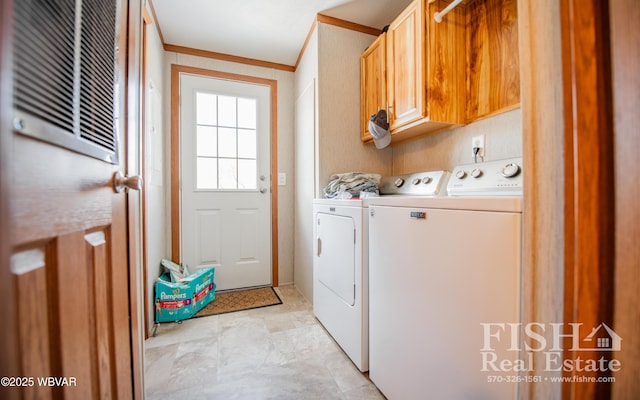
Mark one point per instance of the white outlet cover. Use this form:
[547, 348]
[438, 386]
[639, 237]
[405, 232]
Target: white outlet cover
[478, 141]
[282, 178]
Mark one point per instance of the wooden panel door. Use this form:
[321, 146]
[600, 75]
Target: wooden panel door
[69, 308]
[405, 61]
[70, 273]
[373, 76]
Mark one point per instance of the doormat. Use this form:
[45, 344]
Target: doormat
[240, 300]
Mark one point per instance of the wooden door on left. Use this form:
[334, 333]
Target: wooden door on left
[72, 318]
[70, 273]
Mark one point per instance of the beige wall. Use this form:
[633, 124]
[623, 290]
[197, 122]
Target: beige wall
[339, 146]
[445, 150]
[158, 213]
[544, 202]
[327, 130]
[305, 165]
[285, 142]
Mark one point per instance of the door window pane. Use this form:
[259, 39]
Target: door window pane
[247, 113]
[247, 143]
[206, 109]
[207, 141]
[228, 174]
[227, 111]
[226, 142]
[207, 173]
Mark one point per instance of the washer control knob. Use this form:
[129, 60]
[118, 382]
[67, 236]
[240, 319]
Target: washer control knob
[510, 170]
[461, 174]
[476, 173]
[426, 180]
[399, 182]
[416, 181]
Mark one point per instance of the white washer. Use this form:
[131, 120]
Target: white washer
[340, 261]
[439, 269]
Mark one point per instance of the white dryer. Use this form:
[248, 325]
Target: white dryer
[340, 283]
[341, 264]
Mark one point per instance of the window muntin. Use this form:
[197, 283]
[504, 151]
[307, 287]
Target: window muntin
[226, 142]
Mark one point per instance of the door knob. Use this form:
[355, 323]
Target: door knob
[121, 182]
[263, 190]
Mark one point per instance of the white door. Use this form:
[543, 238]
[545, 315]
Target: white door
[335, 255]
[225, 164]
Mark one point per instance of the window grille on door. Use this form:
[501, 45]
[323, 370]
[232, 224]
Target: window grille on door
[64, 74]
[226, 142]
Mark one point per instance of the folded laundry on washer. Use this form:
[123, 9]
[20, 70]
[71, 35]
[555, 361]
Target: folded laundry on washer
[352, 183]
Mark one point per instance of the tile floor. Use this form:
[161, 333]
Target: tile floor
[278, 352]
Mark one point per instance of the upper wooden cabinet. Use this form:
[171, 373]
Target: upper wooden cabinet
[440, 75]
[405, 66]
[373, 82]
[425, 65]
[493, 69]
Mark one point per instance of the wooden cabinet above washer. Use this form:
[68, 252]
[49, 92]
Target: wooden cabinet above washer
[436, 76]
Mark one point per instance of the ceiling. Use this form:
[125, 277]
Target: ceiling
[265, 30]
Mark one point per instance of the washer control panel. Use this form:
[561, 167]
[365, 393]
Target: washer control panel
[491, 178]
[432, 183]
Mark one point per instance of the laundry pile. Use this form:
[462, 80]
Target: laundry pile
[351, 184]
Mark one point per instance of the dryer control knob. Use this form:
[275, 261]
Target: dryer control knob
[426, 180]
[415, 181]
[510, 170]
[461, 174]
[399, 182]
[476, 173]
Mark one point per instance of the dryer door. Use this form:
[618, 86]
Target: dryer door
[335, 255]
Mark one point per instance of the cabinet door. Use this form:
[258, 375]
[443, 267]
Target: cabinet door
[373, 79]
[494, 66]
[405, 61]
[446, 62]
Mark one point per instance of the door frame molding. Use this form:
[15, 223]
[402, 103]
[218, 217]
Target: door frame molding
[568, 264]
[9, 366]
[589, 210]
[176, 205]
[625, 62]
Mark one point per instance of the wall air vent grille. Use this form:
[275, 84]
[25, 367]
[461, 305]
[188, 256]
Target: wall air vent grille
[44, 61]
[65, 74]
[97, 60]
